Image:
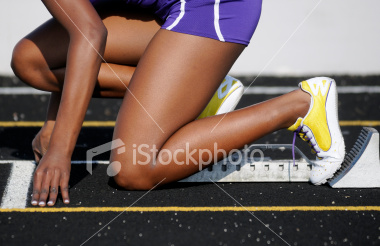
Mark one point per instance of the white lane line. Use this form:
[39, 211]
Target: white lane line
[267, 90]
[72, 162]
[21, 91]
[359, 89]
[16, 191]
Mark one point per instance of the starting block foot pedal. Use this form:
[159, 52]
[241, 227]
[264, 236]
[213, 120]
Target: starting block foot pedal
[361, 166]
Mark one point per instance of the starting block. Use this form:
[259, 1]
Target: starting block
[360, 168]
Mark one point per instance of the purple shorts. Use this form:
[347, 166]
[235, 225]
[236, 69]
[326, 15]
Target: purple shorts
[224, 20]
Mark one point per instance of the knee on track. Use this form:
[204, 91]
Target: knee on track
[135, 180]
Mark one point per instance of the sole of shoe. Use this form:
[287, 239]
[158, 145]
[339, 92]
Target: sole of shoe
[225, 99]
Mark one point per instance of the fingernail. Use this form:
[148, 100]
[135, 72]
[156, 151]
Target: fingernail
[66, 201]
[41, 203]
[34, 202]
[50, 203]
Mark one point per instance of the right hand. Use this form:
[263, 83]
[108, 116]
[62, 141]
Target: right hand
[40, 143]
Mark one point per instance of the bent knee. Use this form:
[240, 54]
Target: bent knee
[134, 180]
[20, 61]
[26, 63]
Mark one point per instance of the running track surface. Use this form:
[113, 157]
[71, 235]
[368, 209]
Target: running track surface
[183, 213]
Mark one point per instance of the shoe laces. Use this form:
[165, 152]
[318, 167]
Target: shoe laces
[302, 134]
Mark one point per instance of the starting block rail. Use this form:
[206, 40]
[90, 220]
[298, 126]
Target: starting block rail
[256, 169]
[360, 168]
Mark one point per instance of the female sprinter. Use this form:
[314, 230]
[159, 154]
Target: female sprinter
[180, 65]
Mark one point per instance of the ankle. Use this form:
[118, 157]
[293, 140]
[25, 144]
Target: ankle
[300, 107]
[304, 101]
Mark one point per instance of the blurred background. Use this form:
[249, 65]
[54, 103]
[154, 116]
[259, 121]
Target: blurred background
[339, 37]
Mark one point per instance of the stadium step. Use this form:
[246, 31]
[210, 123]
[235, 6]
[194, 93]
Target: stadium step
[360, 168]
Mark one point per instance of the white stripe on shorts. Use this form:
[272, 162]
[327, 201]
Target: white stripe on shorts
[216, 21]
[183, 2]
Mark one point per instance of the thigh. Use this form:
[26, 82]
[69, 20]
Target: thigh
[129, 32]
[172, 84]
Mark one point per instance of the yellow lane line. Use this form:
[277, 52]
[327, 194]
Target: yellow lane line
[41, 123]
[112, 123]
[193, 209]
[359, 123]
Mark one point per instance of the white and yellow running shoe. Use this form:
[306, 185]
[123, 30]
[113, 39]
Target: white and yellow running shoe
[225, 98]
[320, 128]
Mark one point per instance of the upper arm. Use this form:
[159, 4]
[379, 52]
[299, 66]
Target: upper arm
[78, 17]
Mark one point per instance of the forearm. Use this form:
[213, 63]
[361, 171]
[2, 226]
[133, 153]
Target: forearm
[82, 68]
[87, 43]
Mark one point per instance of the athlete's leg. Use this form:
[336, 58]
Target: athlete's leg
[39, 59]
[164, 99]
